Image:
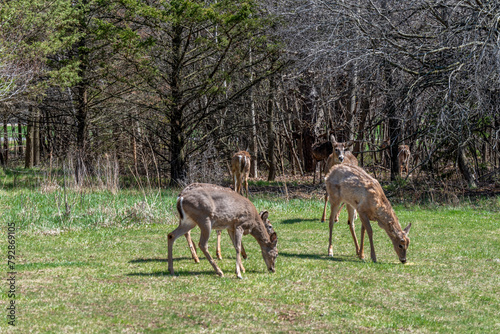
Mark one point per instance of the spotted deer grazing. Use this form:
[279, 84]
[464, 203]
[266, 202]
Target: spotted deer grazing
[361, 192]
[240, 169]
[217, 208]
[320, 152]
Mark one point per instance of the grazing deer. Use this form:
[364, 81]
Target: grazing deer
[218, 252]
[341, 155]
[217, 208]
[240, 169]
[361, 192]
[320, 152]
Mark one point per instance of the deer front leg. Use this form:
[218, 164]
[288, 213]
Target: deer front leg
[236, 237]
[184, 227]
[361, 253]
[333, 220]
[205, 234]
[192, 247]
[367, 226]
[218, 253]
[350, 221]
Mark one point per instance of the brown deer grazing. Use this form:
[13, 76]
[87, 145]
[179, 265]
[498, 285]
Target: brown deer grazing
[341, 155]
[240, 169]
[320, 152]
[217, 208]
[218, 252]
[361, 192]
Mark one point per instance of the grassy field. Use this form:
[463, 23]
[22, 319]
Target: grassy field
[99, 264]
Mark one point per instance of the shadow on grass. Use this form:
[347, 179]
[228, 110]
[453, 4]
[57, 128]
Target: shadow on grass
[177, 273]
[158, 260]
[296, 220]
[321, 257]
[208, 272]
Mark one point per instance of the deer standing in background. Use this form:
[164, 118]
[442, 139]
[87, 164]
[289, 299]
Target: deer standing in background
[240, 169]
[320, 152]
[404, 155]
[359, 191]
[216, 208]
[340, 155]
[404, 158]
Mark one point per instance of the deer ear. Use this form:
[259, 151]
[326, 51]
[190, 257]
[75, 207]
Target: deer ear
[264, 215]
[407, 229]
[274, 238]
[332, 139]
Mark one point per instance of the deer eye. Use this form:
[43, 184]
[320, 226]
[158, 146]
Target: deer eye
[401, 246]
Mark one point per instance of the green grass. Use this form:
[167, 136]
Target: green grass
[102, 267]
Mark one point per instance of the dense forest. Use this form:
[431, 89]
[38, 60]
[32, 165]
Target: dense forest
[169, 90]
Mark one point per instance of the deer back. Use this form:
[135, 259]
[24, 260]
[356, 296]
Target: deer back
[224, 209]
[240, 163]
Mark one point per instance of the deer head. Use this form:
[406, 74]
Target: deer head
[339, 149]
[269, 249]
[401, 244]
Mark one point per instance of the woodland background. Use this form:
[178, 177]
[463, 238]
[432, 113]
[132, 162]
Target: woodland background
[167, 91]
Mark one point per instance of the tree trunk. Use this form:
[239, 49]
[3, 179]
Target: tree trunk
[271, 140]
[28, 159]
[19, 137]
[178, 170]
[36, 139]
[465, 169]
[307, 113]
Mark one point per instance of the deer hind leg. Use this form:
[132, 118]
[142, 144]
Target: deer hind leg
[185, 225]
[206, 228]
[192, 247]
[333, 219]
[350, 221]
[323, 218]
[246, 186]
[367, 226]
[236, 236]
[218, 252]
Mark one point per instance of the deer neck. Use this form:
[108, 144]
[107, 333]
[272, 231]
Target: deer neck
[260, 234]
[389, 222]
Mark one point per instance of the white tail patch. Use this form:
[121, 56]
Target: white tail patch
[180, 208]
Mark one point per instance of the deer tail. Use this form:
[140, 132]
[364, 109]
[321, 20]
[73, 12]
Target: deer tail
[179, 207]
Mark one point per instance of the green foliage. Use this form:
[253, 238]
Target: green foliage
[33, 32]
